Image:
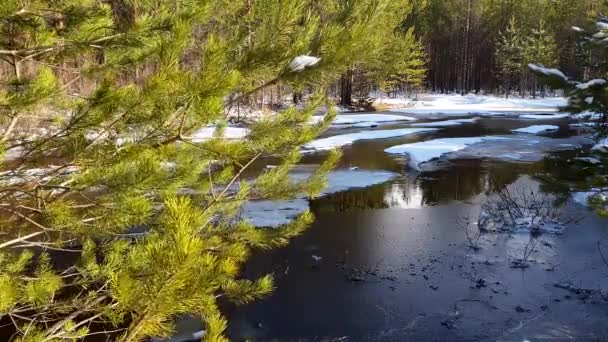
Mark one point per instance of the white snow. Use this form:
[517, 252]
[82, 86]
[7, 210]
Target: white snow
[587, 115]
[209, 132]
[577, 29]
[348, 139]
[601, 146]
[592, 83]
[276, 213]
[536, 129]
[446, 123]
[480, 104]
[544, 116]
[423, 152]
[548, 71]
[302, 62]
[589, 160]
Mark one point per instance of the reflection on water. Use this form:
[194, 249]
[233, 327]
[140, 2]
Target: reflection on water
[403, 196]
[463, 181]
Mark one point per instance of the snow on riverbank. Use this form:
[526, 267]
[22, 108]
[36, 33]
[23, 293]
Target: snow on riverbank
[277, 213]
[476, 104]
[537, 129]
[348, 139]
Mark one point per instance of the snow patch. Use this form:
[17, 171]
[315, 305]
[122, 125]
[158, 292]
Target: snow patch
[480, 104]
[302, 62]
[548, 71]
[590, 84]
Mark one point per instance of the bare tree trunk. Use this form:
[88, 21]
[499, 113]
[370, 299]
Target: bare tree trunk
[346, 88]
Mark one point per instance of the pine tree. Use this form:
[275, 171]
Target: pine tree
[588, 96]
[509, 54]
[110, 93]
[540, 47]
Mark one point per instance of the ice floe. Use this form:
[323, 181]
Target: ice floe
[425, 151]
[348, 139]
[537, 129]
[509, 148]
[544, 116]
[446, 123]
[276, 213]
[363, 120]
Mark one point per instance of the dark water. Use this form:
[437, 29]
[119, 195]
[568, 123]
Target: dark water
[389, 262]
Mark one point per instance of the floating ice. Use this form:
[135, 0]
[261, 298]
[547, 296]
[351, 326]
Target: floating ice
[508, 148]
[347, 139]
[363, 120]
[544, 116]
[423, 152]
[446, 123]
[277, 213]
[536, 129]
[273, 213]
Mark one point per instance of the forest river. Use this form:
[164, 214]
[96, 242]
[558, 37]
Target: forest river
[387, 258]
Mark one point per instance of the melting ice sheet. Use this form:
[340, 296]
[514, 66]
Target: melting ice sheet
[276, 213]
[363, 120]
[537, 129]
[446, 123]
[510, 148]
[347, 139]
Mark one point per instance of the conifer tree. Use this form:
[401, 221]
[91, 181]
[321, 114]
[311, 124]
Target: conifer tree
[588, 96]
[509, 54]
[540, 48]
[99, 162]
